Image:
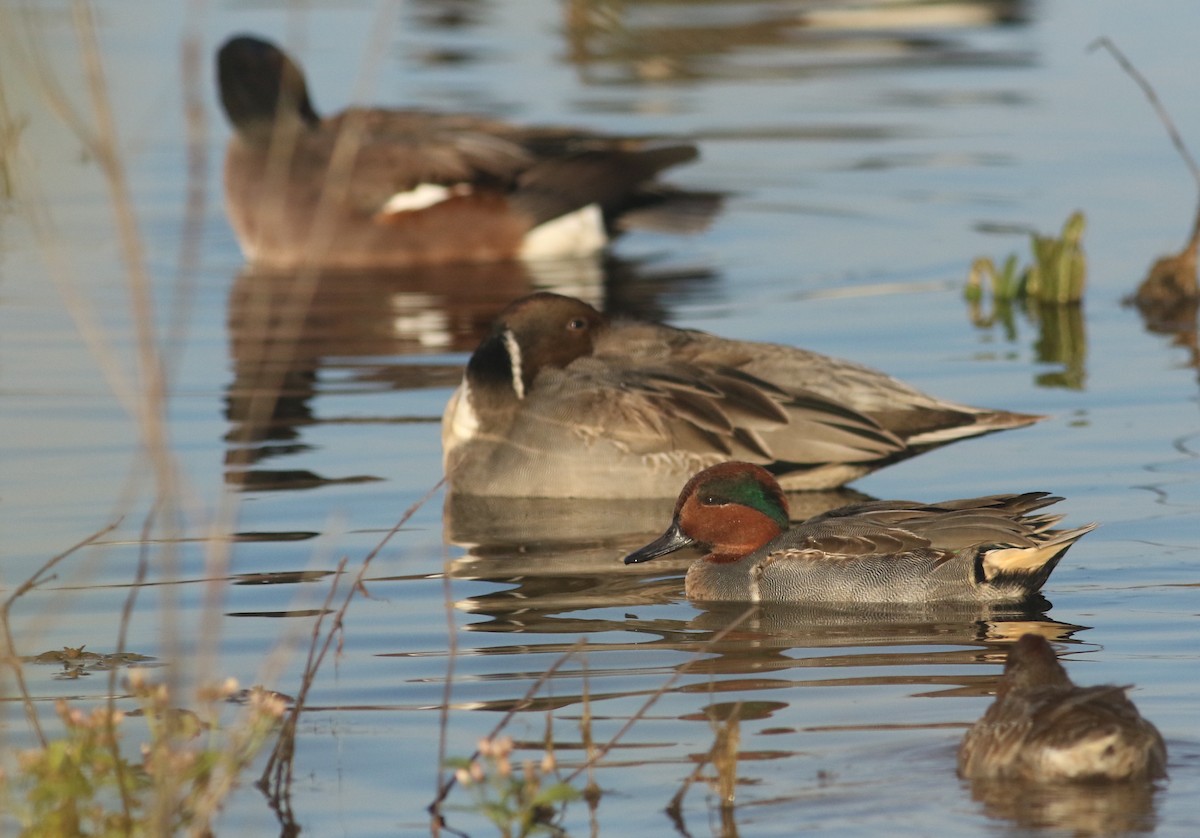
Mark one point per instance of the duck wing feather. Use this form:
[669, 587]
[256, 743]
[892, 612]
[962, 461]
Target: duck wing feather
[667, 407]
[397, 151]
[939, 530]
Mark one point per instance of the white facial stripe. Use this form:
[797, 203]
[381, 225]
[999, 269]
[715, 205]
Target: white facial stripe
[514, 357]
[422, 196]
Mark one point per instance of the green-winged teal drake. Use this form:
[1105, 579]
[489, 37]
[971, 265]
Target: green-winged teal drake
[1043, 728]
[561, 401]
[978, 550]
[395, 188]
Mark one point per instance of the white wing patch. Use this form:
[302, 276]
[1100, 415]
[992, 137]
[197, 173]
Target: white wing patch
[579, 233]
[422, 196]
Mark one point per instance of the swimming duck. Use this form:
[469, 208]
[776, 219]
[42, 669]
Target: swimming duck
[1043, 728]
[561, 401]
[978, 550]
[419, 187]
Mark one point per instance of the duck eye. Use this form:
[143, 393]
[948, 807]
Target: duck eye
[576, 324]
[710, 500]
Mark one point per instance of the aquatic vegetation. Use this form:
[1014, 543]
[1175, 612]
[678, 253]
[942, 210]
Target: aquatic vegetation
[1057, 274]
[521, 801]
[85, 781]
[1048, 291]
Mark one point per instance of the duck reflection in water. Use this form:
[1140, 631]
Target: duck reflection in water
[629, 43]
[765, 649]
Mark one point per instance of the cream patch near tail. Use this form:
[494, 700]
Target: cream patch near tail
[1099, 755]
[1025, 560]
[579, 233]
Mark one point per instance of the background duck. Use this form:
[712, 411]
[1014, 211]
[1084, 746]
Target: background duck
[561, 401]
[977, 550]
[409, 187]
[1043, 728]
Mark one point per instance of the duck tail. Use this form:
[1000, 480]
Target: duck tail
[616, 179]
[971, 422]
[259, 84]
[1028, 566]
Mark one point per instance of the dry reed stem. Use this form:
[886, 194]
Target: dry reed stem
[144, 395]
[122, 633]
[591, 791]
[436, 822]
[17, 46]
[723, 756]
[152, 400]
[145, 404]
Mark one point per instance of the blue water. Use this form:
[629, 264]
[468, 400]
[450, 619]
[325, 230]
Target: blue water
[868, 162]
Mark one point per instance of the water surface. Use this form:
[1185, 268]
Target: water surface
[870, 153]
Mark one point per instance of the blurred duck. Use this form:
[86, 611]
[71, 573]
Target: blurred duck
[423, 188]
[1043, 728]
[978, 550]
[560, 401]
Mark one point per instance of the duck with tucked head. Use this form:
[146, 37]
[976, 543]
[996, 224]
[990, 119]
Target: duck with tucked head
[987, 550]
[395, 188]
[562, 401]
[1042, 728]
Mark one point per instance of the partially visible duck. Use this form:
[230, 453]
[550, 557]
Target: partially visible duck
[561, 401]
[978, 550]
[1043, 728]
[420, 187]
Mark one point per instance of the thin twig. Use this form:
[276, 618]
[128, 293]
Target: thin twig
[11, 656]
[436, 823]
[114, 746]
[151, 399]
[723, 742]
[284, 751]
[280, 761]
[657, 694]
[1148, 90]
[517, 706]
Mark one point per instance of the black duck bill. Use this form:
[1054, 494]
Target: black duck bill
[670, 541]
